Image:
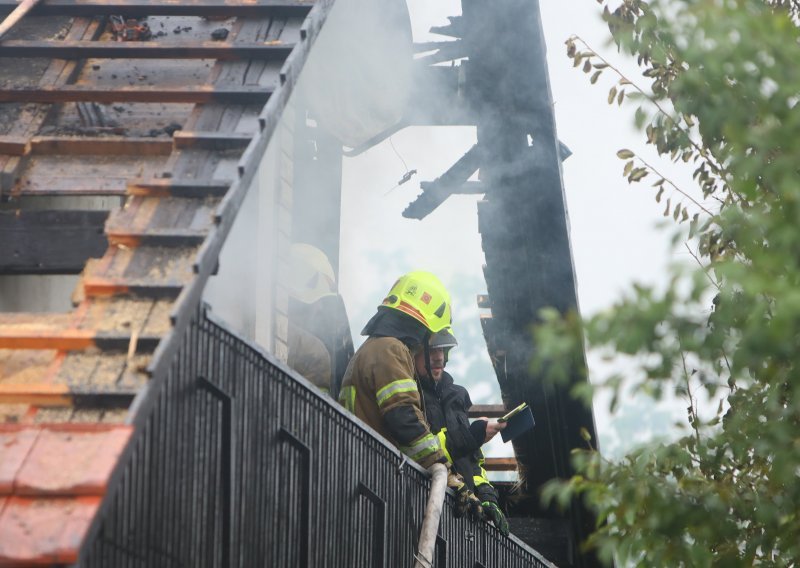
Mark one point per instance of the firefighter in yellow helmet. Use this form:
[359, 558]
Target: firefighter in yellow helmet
[320, 342]
[379, 385]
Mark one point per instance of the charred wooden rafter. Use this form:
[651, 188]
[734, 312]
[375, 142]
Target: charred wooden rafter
[252, 8]
[212, 140]
[198, 94]
[168, 187]
[183, 161]
[145, 50]
[62, 396]
[99, 146]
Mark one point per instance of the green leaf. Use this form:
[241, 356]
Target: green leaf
[624, 154]
[638, 174]
[612, 95]
[627, 169]
[726, 102]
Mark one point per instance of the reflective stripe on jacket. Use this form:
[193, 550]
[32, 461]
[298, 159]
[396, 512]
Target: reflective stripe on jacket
[379, 387]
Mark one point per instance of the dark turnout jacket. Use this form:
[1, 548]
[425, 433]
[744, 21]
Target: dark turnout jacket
[446, 405]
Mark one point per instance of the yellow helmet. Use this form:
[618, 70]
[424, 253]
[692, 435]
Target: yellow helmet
[422, 296]
[311, 275]
[443, 339]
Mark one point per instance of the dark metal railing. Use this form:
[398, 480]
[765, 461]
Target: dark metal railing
[238, 461]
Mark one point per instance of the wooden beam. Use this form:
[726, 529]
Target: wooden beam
[101, 146]
[50, 242]
[212, 140]
[50, 395]
[35, 394]
[168, 187]
[197, 94]
[168, 237]
[488, 410]
[12, 337]
[13, 145]
[251, 8]
[146, 50]
[500, 464]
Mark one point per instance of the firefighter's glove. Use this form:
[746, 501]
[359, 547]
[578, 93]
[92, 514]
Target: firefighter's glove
[468, 504]
[492, 513]
[454, 481]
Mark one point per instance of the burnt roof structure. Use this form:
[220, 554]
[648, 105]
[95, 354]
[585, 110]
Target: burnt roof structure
[171, 129]
[135, 428]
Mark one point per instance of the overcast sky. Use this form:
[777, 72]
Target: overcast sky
[613, 225]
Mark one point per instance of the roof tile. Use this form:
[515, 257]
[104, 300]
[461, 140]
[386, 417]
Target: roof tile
[16, 442]
[72, 459]
[44, 531]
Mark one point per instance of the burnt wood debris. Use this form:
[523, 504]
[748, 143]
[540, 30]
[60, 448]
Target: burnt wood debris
[137, 428]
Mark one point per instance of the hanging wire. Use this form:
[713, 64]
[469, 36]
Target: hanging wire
[391, 143]
[408, 173]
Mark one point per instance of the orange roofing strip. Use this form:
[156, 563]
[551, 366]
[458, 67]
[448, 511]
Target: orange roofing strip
[35, 394]
[148, 191]
[71, 460]
[16, 442]
[44, 531]
[66, 339]
[104, 287]
[123, 239]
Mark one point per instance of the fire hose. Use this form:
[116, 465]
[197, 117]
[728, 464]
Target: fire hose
[433, 512]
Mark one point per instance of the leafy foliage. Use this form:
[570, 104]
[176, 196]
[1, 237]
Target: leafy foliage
[723, 93]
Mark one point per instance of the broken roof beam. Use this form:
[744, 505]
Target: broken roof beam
[252, 8]
[145, 50]
[50, 241]
[436, 192]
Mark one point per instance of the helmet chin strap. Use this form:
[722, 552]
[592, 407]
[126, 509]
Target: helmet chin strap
[426, 347]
